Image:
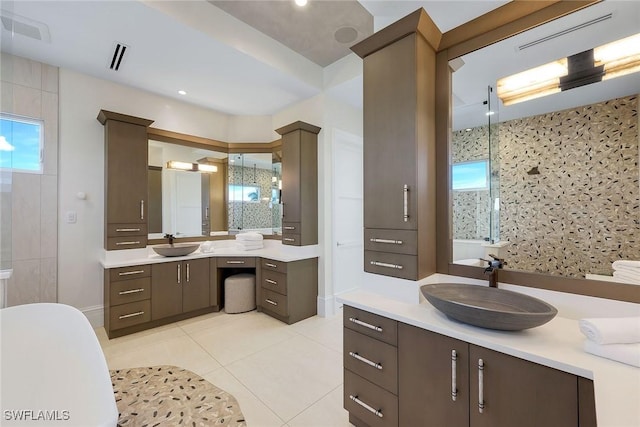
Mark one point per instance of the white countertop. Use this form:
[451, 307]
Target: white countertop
[557, 344]
[273, 249]
[53, 369]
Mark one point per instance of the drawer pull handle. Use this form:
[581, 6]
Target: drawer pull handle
[273, 282]
[289, 227]
[393, 242]
[131, 291]
[365, 324]
[235, 262]
[386, 265]
[129, 273]
[288, 239]
[365, 360]
[268, 264]
[377, 412]
[480, 386]
[271, 302]
[127, 243]
[126, 316]
[454, 387]
[405, 203]
[126, 230]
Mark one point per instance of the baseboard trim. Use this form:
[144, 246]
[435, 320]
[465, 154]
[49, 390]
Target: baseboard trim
[95, 314]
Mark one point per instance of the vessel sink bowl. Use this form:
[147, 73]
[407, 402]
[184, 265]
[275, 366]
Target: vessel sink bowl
[486, 307]
[176, 249]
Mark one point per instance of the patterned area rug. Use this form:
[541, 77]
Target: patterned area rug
[171, 396]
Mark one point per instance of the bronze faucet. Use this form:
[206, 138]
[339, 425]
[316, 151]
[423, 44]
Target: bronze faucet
[492, 269]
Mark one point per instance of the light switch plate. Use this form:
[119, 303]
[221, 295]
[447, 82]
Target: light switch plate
[71, 217]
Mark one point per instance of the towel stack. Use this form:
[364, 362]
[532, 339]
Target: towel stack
[627, 271]
[613, 338]
[249, 241]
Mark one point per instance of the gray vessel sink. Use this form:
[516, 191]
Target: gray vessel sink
[176, 249]
[487, 307]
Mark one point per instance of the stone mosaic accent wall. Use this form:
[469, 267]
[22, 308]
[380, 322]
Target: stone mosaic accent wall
[244, 215]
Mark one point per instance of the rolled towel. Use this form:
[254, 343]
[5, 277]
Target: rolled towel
[631, 278]
[614, 330]
[625, 353]
[625, 263]
[250, 236]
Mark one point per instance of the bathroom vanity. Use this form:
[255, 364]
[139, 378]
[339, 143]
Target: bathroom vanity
[143, 290]
[408, 364]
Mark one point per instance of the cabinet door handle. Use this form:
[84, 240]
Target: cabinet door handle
[129, 273]
[376, 412]
[393, 242]
[235, 262]
[386, 265]
[268, 264]
[271, 302]
[137, 242]
[131, 291]
[365, 360]
[206, 212]
[365, 324]
[141, 209]
[188, 272]
[273, 282]
[179, 278]
[288, 239]
[454, 374]
[126, 230]
[126, 316]
[480, 386]
[405, 202]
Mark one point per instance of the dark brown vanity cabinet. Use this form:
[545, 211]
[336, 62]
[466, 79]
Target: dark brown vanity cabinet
[399, 155]
[299, 184]
[127, 294]
[442, 381]
[126, 182]
[179, 287]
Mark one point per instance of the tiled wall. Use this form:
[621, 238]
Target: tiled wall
[582, 212]
[30, 89]
[244, 215]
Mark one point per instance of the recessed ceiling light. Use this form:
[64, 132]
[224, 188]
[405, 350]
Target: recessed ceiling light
[301, 2]
[182, 92]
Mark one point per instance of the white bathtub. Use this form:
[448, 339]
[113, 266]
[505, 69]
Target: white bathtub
[467, 249]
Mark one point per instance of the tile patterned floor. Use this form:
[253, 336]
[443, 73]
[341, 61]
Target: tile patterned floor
[282, 375]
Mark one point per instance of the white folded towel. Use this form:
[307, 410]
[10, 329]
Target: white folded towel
[625, 263]
[250, 236]
[614, 330]
[625, 353]
[629, 270]
[630, 278]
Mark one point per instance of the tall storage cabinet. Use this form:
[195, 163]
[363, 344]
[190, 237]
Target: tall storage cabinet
[399, 148]
[126, 181]
[299, 184]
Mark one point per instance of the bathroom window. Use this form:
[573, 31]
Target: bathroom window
[21, 143]
[244, 193]
[471, 176]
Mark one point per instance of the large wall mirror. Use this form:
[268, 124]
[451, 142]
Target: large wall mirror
[196, 192]
[549, 183]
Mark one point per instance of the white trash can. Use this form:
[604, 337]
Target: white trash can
[240, 293]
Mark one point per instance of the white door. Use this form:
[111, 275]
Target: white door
[348, 255]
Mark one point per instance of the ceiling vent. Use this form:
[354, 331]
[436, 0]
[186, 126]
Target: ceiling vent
[16, 24]
[118, 56]
[566, 31]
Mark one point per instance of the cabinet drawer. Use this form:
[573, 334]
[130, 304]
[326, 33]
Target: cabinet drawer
[394, 241]
[233, 262]
[291, 239]
[273, 281]
[390, 264]
[373, 360]
[275, 302]
[130, 314]
[126, 242]
[370, 324]
[116, 230]
[368, 402]
[291, 228]
[126, 291]
[126, 273]
[271, 265]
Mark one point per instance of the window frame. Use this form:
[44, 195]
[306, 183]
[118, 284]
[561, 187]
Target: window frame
[467, 162]
[29, 121]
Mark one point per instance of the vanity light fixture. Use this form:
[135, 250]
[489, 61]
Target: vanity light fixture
[191, 167]
[600, 63]
[207, 168]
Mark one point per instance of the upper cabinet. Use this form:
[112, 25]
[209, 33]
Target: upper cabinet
[126, 182]
[299, 184]
[399, 148]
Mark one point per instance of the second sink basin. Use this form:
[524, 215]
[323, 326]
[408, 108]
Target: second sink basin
[486, 307]
[176, 249]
